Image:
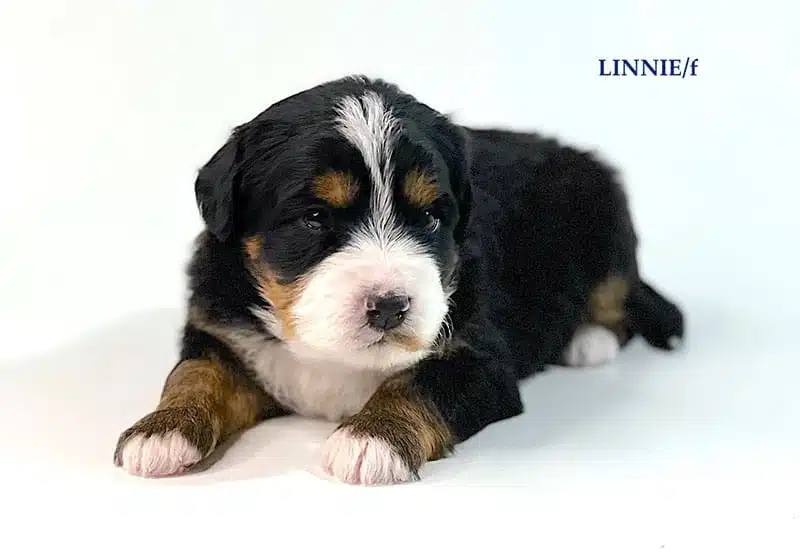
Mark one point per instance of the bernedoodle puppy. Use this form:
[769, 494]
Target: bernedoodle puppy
[366, 260]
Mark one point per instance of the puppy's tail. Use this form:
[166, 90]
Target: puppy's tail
[659, 321]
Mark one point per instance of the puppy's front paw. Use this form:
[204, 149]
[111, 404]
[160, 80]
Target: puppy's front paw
[357, 458]
[165, 442]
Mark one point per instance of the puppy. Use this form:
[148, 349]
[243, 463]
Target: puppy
[367, 261]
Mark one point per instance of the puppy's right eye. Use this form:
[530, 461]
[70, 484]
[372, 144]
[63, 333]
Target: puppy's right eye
[433, 221]
[316, 220]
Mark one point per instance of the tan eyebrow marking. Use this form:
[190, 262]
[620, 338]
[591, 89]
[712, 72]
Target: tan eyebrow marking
[337, 188]
[420, 189]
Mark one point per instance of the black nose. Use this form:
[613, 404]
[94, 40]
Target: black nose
[386, 312]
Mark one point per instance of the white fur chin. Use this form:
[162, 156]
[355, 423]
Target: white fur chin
[363, 460]
[592, 345]
[158, 455]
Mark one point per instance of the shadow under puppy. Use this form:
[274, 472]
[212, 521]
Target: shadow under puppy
[368, 261]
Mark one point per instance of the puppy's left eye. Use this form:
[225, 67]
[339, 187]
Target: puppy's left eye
[316, 220]
[433, 221]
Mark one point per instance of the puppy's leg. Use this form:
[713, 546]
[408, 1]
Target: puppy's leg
[619, 309]
[599, 339]
[659, 321]
[419, 416]
[206, 398]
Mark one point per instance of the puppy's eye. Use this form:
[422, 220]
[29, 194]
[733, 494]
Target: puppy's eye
[316, 220]
[433, 221]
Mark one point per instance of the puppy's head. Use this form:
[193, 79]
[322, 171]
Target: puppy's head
[349, 202]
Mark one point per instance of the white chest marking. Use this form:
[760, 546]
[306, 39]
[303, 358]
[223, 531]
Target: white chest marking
[310, 387]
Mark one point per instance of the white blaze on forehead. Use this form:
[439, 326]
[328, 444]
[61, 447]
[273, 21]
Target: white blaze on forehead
[368, 124]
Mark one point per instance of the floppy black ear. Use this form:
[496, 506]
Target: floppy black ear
[215, 190]
[464, 194]
[455, 150]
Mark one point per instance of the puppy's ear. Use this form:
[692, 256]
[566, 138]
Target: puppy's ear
[464, 194]
[454, 148]
[215, 189]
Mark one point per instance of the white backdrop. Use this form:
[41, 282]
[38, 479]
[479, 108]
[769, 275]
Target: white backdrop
[107, 109]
